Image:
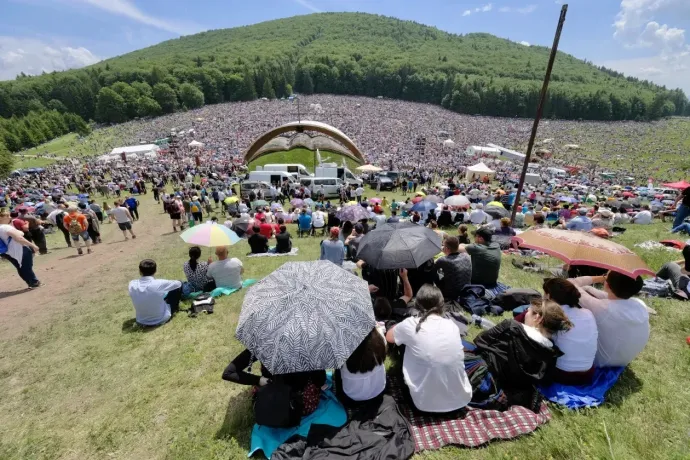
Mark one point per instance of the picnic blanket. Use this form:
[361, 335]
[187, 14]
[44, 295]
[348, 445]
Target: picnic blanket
[476, 428]
[221, 291]
[293, 252]
[576, 397]
[329, 412]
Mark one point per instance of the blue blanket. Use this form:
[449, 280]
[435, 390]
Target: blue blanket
[221, 291]
[576, 397]
[329, 412]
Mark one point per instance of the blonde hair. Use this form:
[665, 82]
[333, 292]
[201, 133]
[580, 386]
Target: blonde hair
[553, 318]
[4, 212]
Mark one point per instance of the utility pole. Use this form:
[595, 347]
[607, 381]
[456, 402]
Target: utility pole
[540, 109]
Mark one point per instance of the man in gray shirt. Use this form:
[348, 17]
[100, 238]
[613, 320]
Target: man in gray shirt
[226, 272]
[454, 269]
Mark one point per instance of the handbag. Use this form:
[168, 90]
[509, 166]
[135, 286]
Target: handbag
[276, 405]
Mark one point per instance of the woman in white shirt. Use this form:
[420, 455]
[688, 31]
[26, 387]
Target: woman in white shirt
[433, 364]
[363, 377]
[579, 344]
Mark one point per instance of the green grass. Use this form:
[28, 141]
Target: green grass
[303, 156]
[87, 384]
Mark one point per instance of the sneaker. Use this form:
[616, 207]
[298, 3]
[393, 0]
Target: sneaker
[134, 237]
[34, 286]
[80, 252]
[88, 251]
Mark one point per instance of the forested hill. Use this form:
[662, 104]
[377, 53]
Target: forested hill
[341, 53]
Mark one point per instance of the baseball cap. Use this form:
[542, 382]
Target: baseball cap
[485, 232]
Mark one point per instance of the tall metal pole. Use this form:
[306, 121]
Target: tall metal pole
[540, 109]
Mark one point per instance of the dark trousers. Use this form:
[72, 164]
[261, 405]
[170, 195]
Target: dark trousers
[197, 216]
[65, 233]
[135, 213]
[100, 216]
[39, 240]
[173, 299]
[26, 271]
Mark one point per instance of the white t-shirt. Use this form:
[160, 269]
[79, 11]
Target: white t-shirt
[359, 191]
[226, 273]
[579, 344]
[364, 386]
[318, 219]
[478, 216]
[433, 366]
[643, 217]
[120, 214]
[14, 249]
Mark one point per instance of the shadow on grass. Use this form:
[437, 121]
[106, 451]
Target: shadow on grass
[131, 326]
[239, 419]
[5, 295]
[627, 385]
[73, 256]
[117, 242]
[170, 233]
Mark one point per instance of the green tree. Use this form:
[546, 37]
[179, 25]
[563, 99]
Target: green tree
[6, 161]
[148, 107]
[54, 104]
[248, 91]
[130, 95]
[143, 88]
[111, 107]
[288, 89]
[267, 90]
[166, 97]
[234, 85]
[191, 96]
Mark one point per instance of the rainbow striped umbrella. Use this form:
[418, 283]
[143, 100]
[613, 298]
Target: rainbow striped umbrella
[210, 235]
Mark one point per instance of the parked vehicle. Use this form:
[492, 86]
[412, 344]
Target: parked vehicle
[340, 172]
[272, 177]
[385, 183]
[297, 170]
[331, 185]
[249, 185]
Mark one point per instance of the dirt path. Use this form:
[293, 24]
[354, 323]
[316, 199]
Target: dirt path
[70, 280]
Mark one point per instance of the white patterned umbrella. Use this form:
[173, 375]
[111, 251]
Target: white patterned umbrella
[305, 316]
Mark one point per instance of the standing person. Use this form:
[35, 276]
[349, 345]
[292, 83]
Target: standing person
[195, 209]
[36, 232]
[78, 226]
[97, 209]
[133, 205]
[58, 216]
[17, 250]
[404, 187]
[359, 192]
[124, 219]
[175, 210]
[155, 301]
[92, 221]
[683, 209]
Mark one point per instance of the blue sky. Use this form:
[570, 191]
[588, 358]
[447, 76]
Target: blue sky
[644, 38]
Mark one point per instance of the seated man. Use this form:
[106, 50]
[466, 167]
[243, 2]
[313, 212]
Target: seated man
[155, 301]
[257, 241]
[304, 223]
[454, 269]
[226, 273]
[478, 216]
[622, 321]
[283, 241]
[643, 217]
[678, 273]
[486, 258]
[580, 223]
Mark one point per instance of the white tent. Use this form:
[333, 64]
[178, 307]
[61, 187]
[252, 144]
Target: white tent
[571, 146]
[150, 155]
[136, 149]
[478, 171]
[509, 154]
[479, 150]
[448, 144]
[196, 144]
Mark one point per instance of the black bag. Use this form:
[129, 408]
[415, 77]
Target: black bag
[513, 298]
[276, 405]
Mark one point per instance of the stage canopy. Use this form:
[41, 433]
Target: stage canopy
[478, 171]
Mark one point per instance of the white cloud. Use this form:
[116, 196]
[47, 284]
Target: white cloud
[129, 10]
[662, 36]
[524, 43]
[521, 9]
[480, 9]
[672, 73]
[33, 56]
[308, 6]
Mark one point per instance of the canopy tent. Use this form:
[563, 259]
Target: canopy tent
[479, 150]
[478, 171]
[682, 185]
[369, 168]
[448, 143]
[196, 144]
[135, 149]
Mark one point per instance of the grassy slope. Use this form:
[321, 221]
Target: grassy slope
[87, 385]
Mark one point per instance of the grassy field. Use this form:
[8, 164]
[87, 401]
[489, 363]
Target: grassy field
[87, 384]
[302, 156]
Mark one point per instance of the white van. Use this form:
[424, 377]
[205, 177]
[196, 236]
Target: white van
[331, 185]
[297, 170]
[272, 177]
[333, 170]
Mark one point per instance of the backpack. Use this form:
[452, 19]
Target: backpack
[194, 208]
[277, 405]
[4, 247]
[74, 226]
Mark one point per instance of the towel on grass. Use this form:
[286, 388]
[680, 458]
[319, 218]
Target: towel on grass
[293, 252]
[577, 397]
[476, 428]
[221, 291]
[329, 412]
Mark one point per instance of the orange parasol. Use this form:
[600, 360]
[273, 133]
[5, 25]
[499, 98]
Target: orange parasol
[578, 248]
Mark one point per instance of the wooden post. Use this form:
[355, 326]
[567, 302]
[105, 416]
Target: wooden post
[540, 109]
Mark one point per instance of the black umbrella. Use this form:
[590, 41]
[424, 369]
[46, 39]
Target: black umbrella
[242, 224]
[496, 212]
[399, 245]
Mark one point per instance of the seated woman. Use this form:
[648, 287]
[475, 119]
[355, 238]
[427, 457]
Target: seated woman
[521, 355]
[195, 272]
[433, 362]
[363, 377]
[678, 272]
[505, 229]
[579, 344]
[306, 384]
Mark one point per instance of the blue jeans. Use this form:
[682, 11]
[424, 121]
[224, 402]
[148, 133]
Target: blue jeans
[684, 227]
[26, 271]
[681, 213]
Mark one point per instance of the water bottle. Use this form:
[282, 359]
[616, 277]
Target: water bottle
[482, 322]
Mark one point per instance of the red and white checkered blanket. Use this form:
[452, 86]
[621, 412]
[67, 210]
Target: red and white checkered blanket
[476, 428]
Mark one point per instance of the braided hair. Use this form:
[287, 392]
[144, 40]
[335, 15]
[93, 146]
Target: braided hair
[429, 301]
[194, 254]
